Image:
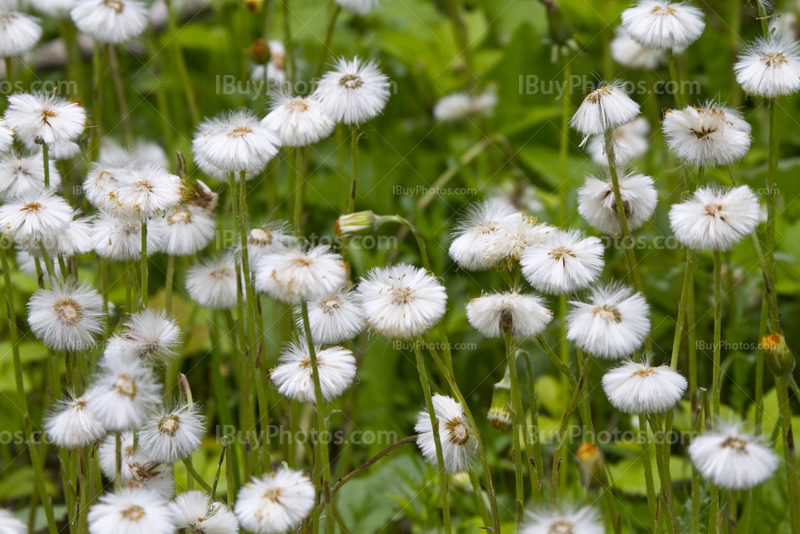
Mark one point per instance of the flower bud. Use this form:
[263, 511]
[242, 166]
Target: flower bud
[591, 467]
[499, 414]
[254, 6]
[359, 223]
[259, 52]
[461, 482]
[777, 354]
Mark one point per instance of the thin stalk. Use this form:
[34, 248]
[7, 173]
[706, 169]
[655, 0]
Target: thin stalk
[536, 456]
[688, 275]
[518, 415]
[652, 501]
[143, 264]
[100, 66]
[299, 176]
[22, 401]
[187, 462]
[118, 460]
[782, 386]
[322, 447]
[673, 74]
[662, 463]
[122, 99]
[696, 427]
[170, 283]
[46, 160]
[563, 148]
[351, 205]
[369, 463]
[759, 395]
[326, 45]
[426, 389]
[180, 63]
[716, 386]
[772, 190]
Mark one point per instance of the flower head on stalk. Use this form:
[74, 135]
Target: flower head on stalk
[6, 137]
[402, 301]
[23, 175]
[708, 135]
[630, 142]
[212, 283]
[295, 274]
[146, 191]
[639, 388]
[269, 238]
[131, 510]
[294, 378]
[298, 121]
[493, 315]
[732, 458]
[604, 109]
[66, 317]
[236, 142]
[629, 53]
[335, 318]
[612, 325]
[715, 219]
[353, 92]
[770, 66]
[564, 262]
[458, 442]
[75, 240]
[518, 234]
[566, 521]
[147, 336]
[276, 502]
[18, 33]
[186, 230]
[598, 205]
[44, 118]
[120, 238]
[663, 25]
[172, 435]
[71, 425]
[110, 21]
[123, 395]
[483, 222]
[34, 216]
[194, 513]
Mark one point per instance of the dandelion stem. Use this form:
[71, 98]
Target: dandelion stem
[298, 190]
[369, 463]
[716, 386]
[351, 205]
[122, 99]
[518, 415]
[326, 45]
[143, 292]
[100, 61]
[688, 275]
[772, 190]
[170, 283]
[673, 74]
[697, 418]
[426, 389]
[652, 502]
[22, 401]
[187, 462]
[662, 463]
[759, 394]
[46, 160]
[536, 454]
[782, 386]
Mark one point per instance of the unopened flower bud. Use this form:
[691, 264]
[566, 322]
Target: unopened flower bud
[359, 223]
[254, 6]
[499, 414]
[777, 354]
[259, 52]
[591, 467]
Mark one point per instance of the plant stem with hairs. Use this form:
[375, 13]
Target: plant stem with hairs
[144, 265]
[351, 205]
[46, 161]
[673, 74]
[782, 387]
[716, 385]
[122, 100]
[100, 66]
[517, 416]
[369, 463]
[426, 389]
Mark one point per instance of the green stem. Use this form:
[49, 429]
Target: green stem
[716, 385]
[144, 267]
[563, 148]
[536, 455]
[46, 160]
[759, 397]
[696, 427]
[187, 462]
[652, 502]
[298, 191]
[662, 463]
[100, 62]
[772, 190]
[351, 205]
[170, 283]
[180, 64]
[673, 74]
[782, 386]
[518, 416]
[688, 275]
[326, 45]
[426, 389]
[122, 99]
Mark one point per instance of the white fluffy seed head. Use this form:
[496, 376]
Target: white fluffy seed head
[71, 424]
[605, 108]
[483, 222]
[131, 511]
[294, 379]
[663, 25]
[563, 263]
[186, 230]
[6, 137]
[495, 314]
[294, 275]
[236, 142]
[147, 336]
[110, 21]
[639, 388]
[194, 513]
[277, 502]
[75, 240]
[123, 395]
[612, 325]
[212, 283]
[597, 203]
[628, 53]
[353, 92]
[269, 238]
[146, 191]
[34, 216]
[708, 135]
[120, 238]
[630, 142]
[715, 219]
[18, 33]
[44, 117]
[10, 524]
[563, 521]
[172, 435]
[731, 458]
[298, 121]
[455, 433]
[518, 234]
[67, 317]
[402, 301]
[770, 67]
[335, 318]
[24, 175]
[460, 106]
